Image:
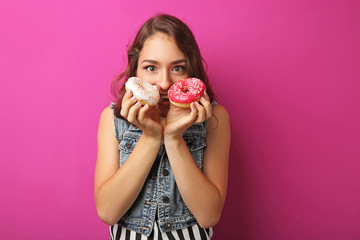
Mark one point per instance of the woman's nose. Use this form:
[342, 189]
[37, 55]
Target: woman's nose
[164, 81]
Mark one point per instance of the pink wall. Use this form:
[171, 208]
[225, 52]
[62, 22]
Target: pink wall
[287, 71]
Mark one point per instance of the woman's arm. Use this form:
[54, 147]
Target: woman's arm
[203, 192]
[116, 188]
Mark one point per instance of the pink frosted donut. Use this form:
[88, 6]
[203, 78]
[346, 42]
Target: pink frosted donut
[186, 91]
[144, 92]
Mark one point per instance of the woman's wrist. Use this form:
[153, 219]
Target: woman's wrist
[173, 138]
[172, 134]
[151, 137]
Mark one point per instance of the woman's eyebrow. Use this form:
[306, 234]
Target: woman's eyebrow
[178, 61]
[150, 61]
[156, 62]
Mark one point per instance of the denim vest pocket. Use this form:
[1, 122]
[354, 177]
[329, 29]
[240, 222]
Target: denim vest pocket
[127, 145]
[196, 145]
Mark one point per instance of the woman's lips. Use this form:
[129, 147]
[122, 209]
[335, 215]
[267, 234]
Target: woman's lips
[164, 99]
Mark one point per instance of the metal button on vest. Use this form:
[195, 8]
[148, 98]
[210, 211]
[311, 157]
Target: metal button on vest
[166, 172]
[166, 199]
[168, 225]
[128, 145]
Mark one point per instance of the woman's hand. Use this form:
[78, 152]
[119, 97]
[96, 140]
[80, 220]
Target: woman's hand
[146, 118]
[179, 119]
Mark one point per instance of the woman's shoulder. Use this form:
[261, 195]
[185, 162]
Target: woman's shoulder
[220, 111]
[219, 108]
[107, 113]
[107, 117]
[219, 116]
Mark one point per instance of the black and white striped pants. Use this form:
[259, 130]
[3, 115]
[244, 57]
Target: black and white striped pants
[194, 232]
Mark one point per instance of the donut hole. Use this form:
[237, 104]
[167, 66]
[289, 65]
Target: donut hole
[186, 90]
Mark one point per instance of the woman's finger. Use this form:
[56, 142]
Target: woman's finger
[127, 101]
[142, 114]
[201, 116]
[207, 105]
[133, 112]
[206, 96]
[193, 113]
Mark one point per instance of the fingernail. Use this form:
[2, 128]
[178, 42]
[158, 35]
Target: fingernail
[128, 92]
[205, 93]
[138, 104]
[202, 99]
[133, 98]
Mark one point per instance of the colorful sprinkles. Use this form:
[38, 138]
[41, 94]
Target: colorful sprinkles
[143, 90]
[187, 90]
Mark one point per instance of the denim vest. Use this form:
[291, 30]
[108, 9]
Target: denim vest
[159, 195]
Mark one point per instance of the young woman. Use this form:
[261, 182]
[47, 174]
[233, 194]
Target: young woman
[161, 172]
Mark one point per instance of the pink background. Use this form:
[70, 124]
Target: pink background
[287, 71]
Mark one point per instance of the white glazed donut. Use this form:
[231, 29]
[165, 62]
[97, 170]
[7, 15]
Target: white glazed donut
[144, 92]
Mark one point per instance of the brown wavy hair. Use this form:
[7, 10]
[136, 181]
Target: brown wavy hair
[185, 41]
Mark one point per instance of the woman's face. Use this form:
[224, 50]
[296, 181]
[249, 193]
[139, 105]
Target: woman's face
[161, 63]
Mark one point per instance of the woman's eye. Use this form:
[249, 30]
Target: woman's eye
[151, 68]
[179, 68]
